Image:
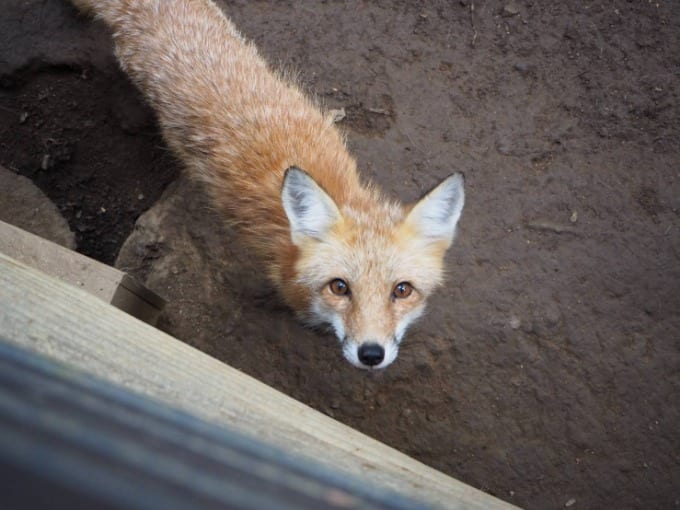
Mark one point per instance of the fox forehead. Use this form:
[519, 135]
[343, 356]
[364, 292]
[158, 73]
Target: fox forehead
[371, 252]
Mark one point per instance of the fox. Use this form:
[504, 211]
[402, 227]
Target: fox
[274, 163]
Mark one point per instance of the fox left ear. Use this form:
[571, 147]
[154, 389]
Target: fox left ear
[436, 215]
[311, 212]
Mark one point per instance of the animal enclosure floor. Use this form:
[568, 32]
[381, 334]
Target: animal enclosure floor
[547, 371]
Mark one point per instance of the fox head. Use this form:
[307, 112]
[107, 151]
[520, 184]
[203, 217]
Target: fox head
[366, 267]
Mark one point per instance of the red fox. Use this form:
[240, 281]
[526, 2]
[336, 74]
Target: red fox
[276, 166]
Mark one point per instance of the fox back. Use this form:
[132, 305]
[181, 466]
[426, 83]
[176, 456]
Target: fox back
[276, 166]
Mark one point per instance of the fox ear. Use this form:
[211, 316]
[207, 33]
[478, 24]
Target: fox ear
[311, 212]
[436, 215]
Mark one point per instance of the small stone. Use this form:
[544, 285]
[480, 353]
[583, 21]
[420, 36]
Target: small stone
[522, 67]
[571, 33]
[552, 315]
[510, 10]
[515, 322]
[574, 217]
[504, 147]
[22, 117]
[46, 162]
[337, 115]
[570, 502]
[140, 196]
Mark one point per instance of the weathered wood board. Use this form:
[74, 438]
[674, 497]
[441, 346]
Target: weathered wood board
[100, 280]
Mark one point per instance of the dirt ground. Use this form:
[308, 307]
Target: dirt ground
[547, 371]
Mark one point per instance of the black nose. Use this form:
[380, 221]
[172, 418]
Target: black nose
[371, 354]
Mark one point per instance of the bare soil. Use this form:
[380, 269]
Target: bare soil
[547, 371]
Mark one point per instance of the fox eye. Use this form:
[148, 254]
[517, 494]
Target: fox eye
[402, 290]
[339, 287]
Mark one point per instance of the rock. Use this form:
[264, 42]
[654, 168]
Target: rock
[522, 67]
[504, 146]
[510, 10]
[571, 32]
[381, 400]
[552, 315]
[23, 205]
[46, 162]
[204, 297]
[337, 115]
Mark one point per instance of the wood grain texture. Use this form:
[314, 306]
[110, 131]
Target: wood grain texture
[102, 281]
[65, 323]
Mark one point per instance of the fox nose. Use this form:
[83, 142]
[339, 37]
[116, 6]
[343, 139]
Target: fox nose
[371, 354]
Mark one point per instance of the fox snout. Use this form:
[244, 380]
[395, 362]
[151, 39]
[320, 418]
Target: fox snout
[370, 355]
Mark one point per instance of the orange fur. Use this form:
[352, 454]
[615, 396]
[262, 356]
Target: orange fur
[238, 126]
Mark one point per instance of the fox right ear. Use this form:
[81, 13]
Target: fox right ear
[311, 212]
[435, 216]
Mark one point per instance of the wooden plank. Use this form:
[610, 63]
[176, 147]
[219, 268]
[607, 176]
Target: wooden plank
[105, 282]
[69, 440]
[45, 315]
